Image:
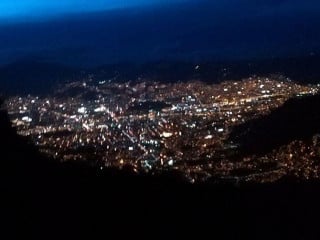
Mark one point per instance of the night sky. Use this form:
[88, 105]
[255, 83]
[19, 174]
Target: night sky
[23, 9]
[95, 32]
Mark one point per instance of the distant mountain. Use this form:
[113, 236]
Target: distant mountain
[38, 77]
[297, 119]
[34, 77]
[301, 69]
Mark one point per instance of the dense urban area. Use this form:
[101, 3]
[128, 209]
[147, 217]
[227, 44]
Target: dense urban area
[154, 127]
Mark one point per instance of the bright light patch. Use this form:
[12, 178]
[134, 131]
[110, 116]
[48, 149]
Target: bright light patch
[208, 137]
[27, 119]
[166, 134]
[82, 110]
[100, 109]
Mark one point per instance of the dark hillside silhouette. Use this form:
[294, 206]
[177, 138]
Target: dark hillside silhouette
[297, 119]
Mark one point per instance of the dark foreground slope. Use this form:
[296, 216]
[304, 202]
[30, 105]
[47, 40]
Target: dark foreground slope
[41, 199]
[297, 119]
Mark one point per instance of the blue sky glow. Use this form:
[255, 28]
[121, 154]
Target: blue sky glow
[40, 8]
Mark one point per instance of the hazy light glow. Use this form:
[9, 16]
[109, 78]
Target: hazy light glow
[41, 8]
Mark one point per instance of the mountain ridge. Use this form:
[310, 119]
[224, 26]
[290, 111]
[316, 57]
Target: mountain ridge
[40, 77]
[297, 119]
